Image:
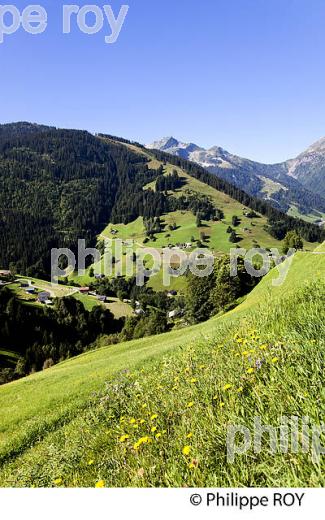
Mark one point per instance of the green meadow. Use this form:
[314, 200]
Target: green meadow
[155, 412]
[251, 232]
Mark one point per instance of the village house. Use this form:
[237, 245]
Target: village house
[5, 274]
[174, 314]
[44, 297]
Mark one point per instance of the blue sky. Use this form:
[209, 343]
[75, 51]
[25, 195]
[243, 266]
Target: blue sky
[247, 75]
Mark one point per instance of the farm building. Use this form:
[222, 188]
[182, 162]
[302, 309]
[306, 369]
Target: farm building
[175, 314]
[5, 274]
[44, 297]
[84, 290]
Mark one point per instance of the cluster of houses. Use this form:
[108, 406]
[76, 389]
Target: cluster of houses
[186, 245]
[43, 297]
[138, 309]
[86, 290]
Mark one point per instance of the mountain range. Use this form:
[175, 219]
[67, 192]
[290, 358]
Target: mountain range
[296, 186]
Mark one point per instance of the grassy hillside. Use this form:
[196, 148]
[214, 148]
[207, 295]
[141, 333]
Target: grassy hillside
[154, 412]
[251, 232]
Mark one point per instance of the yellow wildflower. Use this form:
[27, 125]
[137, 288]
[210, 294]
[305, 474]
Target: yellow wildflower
[227, 387]
[57, 481]
[186, 450]
[100, 484]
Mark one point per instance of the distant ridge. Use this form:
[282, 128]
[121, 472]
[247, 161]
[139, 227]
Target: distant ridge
[297, 183]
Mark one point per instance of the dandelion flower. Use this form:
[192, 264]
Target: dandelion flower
[189, 435]
[123, 438]
[193, 464]
[250, 370]
[275, 360]
[158, 435]
[186, 450]
[154, 416]
[100, 484]
[57, 481]
[153, 429]
[91, 462]
[227, 387]
[190, 404]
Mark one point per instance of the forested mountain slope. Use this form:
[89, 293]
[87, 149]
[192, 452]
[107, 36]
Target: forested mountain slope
[61, 185]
